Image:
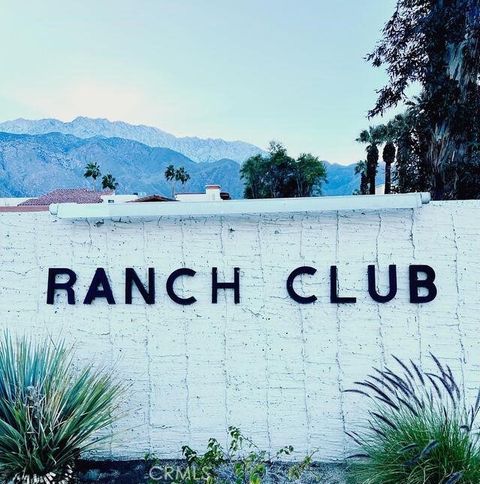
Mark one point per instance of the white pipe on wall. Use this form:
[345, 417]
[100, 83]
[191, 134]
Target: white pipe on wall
[72, 211]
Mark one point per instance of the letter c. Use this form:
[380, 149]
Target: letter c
[184, 301]
[291, 278]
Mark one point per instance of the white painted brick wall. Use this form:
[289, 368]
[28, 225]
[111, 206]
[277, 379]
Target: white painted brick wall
[270, 366]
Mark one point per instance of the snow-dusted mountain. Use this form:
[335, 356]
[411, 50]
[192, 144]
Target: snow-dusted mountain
[197, 149]
[38, 156]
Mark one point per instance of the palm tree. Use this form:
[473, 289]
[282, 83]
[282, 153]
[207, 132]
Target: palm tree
[92, 170]
[389, 152]
[181, 175]
[108, 181]
[174, 175]
[170, 177]
[361, 169]
[373, 137]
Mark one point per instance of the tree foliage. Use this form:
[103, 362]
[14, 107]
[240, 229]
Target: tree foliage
[174, 175]
[436, 44]
[92, 170]
[410, 135]
[278, 175]
[361, 169]
[388, 155]
[372, 138]
[109, 182]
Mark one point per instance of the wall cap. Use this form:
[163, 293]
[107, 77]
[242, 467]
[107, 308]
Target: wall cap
[72, 211]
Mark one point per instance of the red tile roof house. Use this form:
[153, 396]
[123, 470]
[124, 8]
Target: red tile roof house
[67, 195]
[83, 195]
[61, 195]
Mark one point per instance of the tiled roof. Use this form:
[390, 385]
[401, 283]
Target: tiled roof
[67, 195]
[153, 198]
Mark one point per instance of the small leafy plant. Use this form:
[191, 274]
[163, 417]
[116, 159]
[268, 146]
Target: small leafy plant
[420, 430]
[48, 411]
[243, 463]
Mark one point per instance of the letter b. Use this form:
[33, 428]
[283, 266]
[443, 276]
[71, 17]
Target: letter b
[427, 283]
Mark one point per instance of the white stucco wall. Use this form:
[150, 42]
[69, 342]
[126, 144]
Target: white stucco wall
[12, 201]
[268, 365]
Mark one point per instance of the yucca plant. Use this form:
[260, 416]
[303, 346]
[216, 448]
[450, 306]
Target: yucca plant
[419, 430]
[49, 411]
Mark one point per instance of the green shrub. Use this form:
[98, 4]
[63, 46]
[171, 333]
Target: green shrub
[419, 431]
[243, 463]
[48, 411]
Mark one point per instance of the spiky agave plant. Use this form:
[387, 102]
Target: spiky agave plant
[420, 430]
[48, 410]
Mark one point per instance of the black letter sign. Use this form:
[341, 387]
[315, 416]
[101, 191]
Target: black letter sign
[427, 283]
[94, 291]
[392, 279]
[334, 297]
[53, 285]
[235, 285]
[131, 278]
[291, 278]
[170, 282]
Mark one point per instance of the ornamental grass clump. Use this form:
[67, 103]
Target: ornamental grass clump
[420, 430]
[49, 412]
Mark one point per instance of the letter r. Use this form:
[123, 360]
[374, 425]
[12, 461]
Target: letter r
[53, 285]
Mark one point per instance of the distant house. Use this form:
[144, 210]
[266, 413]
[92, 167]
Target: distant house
[67, 195]
[83, 195]
[212, 193]
[61, 195]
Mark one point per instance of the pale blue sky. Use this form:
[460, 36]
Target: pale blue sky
[254, 70]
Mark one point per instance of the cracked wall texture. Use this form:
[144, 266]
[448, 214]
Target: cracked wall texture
[268, 365]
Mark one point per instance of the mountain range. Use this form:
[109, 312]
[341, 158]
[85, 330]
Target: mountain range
[31, 165]
[39, 156]
[197, 149]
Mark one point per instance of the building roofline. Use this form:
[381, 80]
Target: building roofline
[24, 208]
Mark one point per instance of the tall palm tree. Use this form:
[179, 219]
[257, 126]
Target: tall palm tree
[389, 152]
[361, 169]
[372, 137]
[92, 170]
[170, 177]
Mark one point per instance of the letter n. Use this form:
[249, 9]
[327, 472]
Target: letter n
[132, 278]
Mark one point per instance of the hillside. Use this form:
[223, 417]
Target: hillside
[31, 165]
[34, 164]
